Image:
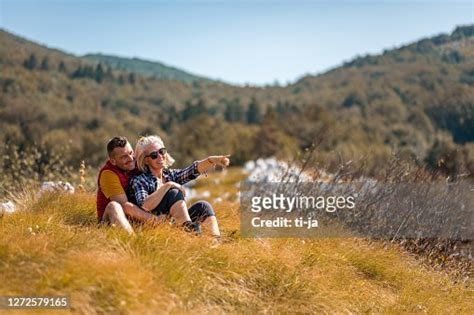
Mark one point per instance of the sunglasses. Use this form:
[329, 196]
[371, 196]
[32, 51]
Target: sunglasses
[154, 155]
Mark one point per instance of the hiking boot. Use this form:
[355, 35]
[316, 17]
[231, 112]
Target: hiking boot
[192, 227]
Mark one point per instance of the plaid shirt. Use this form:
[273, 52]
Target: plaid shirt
[140, 186]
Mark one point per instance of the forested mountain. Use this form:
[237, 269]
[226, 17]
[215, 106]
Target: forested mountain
[416, 100]
[147, 68]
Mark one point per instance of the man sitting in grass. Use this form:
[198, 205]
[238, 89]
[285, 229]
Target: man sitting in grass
[112, 203]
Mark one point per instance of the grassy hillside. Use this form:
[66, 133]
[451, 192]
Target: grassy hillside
[52, 246]
[148, 68]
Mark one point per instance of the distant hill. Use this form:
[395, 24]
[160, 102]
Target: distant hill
[451, 49]
[416, 100]
[434, 76]
[145, 67]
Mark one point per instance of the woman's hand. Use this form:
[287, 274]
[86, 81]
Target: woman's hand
[176, 185]
[220, 160]
[211, 161]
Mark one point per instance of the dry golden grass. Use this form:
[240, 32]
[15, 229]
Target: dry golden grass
[53, 247]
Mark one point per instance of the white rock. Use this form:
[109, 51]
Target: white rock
[7, 207]
[57, 186]
[272, 170]
[249, 166]
[193, 194]
[204, 194]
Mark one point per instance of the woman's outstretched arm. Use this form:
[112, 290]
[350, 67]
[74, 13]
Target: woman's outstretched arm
[211, 161]
[184, 175]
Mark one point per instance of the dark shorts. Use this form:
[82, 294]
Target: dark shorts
[198, 212]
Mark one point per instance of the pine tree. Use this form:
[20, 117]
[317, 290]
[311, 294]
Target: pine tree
[254, 115]
[234, 111]
[78, 73]
[121, 80]
[131, 78]
[31, 62]
[192, 110]
[45, 64]
[99, 73]
[62, 67]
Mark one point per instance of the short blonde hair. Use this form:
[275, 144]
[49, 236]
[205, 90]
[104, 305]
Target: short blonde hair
[140, 151]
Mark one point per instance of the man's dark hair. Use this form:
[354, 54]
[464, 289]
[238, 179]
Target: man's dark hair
[116, 142]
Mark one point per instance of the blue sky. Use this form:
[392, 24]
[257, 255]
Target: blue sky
[239, 42]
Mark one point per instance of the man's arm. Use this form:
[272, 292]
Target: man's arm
[121, 199]
[133, 210]
[112, 189]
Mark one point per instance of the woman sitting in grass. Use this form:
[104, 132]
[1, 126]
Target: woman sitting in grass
[158, 189]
